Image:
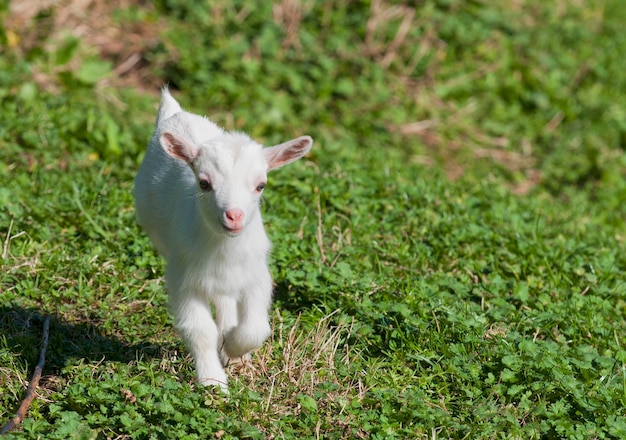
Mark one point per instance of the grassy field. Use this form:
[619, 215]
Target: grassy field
[449, 260]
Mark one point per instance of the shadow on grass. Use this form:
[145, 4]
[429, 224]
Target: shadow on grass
[294, 299]
[71, 343]
[22, 329]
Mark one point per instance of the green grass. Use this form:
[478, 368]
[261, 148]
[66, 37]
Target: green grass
[449, 260]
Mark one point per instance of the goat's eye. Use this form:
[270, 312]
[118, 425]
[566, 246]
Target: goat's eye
[205, 185]
[260, 187]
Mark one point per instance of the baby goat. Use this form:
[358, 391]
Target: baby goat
[197, 196]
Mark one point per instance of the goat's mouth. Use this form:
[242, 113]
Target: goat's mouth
[233, 232]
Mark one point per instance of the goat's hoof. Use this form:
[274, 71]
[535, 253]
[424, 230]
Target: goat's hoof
[210, 382]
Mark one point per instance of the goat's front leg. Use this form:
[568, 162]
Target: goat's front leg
[253, 327]
[195, 323]
[226, 317]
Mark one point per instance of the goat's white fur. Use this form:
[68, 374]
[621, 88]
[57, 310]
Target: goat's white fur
[213, 238]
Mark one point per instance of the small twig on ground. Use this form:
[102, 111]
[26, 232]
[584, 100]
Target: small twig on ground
[32, 386]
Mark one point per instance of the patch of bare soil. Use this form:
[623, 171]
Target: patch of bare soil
[45, 23]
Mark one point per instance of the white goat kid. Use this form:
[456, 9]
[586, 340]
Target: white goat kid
[197, 196]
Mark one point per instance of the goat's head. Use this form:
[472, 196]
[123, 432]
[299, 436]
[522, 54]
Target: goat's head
[231, 173]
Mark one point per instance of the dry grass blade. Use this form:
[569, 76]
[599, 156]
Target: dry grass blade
[381, 18]
[300, 361]
[289, 14]
[32, 386]
[320, 228]
[5, 249]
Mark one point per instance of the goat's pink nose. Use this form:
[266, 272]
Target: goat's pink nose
[234, 215]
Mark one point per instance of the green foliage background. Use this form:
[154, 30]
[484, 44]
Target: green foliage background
[449, 260]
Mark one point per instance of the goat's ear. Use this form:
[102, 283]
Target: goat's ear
[178, 147]
[287, 152]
